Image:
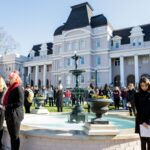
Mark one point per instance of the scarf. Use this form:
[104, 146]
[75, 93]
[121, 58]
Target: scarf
[6, 95]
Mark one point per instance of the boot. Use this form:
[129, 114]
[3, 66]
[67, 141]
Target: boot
[1, 135]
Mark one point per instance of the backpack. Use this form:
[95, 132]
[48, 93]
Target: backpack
[30, 96]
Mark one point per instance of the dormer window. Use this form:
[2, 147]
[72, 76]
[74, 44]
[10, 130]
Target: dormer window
[32, 53]
[136, 37]
[134, 44]
[116, 45]
[116, 41]
[43, 50]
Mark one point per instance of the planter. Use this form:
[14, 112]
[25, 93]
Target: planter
[99, 107]
[39, 101]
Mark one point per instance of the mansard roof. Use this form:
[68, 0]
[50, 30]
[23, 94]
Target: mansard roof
[81, 16]
[99, 20]
[125, 33]
[37, 49]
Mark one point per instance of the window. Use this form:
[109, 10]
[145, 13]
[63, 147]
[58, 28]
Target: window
[69, 46]
[32, 69]
[68, 80]
[134, 44]
[82, 44]
[82, 60]
[98, 60]
[82, 78]
[75, 45]
[97, 43]
[40, 68]
[117, 45]
[130, 61]
[48, 68]
[98, 78]
[139, 43]
[68, 62]
[145, 60]
[117, 62]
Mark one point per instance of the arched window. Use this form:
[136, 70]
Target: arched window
[39, 84]
[131, 79]
[32, 83]
[47, 84]
[117, 80]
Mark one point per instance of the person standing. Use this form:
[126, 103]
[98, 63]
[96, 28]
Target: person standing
[28, 98]
[142, 105]
[51, 96]
[130, 99]
[116, 95]
[3, 88]
[13, 102]
[124, 94]
[59, 100]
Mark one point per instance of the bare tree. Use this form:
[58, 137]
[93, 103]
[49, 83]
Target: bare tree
[7, 43]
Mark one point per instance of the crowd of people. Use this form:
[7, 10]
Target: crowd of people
[13, 97]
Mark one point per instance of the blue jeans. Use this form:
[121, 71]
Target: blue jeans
[124, 103]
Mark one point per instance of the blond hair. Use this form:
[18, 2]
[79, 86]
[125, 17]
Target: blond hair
[2, 83]
[15, 75]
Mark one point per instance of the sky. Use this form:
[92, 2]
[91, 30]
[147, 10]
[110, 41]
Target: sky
[32, 22]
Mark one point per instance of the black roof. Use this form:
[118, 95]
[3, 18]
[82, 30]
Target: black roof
[125, 33]
[81, 16]
[99, 20]
[37, 49]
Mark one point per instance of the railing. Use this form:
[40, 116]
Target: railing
[130, 46]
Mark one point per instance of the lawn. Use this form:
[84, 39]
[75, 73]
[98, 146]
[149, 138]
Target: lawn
[67, 108]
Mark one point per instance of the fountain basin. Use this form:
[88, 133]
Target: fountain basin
[41, 132]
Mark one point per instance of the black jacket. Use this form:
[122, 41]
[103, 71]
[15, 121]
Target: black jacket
[142, 104]
[131, 96]
[15, 104]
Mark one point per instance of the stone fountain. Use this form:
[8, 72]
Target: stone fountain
[77, 114]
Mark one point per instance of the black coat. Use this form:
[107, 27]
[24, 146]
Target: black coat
[130, 96]
[15, 104]
[142, 104]
[59, 100]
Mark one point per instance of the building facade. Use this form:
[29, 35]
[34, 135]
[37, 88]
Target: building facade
[10, 62]
[109, 56]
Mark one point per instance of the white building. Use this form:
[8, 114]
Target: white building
[107, 55]
[11, 62]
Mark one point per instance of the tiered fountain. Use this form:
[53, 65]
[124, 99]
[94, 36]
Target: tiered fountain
[77, 114]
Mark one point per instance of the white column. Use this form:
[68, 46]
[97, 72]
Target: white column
[44, 75]
[136, 69]
[36, 74]
[29, 74]
[29, 70]
[122, 71]
[110, 71]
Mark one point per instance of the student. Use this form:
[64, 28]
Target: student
[130, 99]
[3, 88]
[116, 95]
[142, 104]
[13, 102]
[28, 98]
[59, 101]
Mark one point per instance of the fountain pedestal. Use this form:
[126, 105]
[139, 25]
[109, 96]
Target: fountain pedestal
[97, 126]
[100, 129]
